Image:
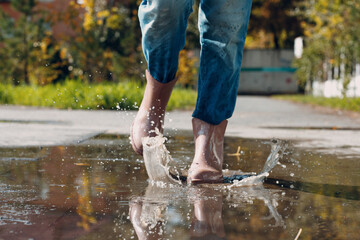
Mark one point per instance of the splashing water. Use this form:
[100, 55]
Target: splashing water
[277, 150]
[157, 159]
[270, 197]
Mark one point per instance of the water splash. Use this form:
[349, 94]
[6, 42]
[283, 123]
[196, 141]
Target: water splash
[157, 159]
[157, 162]
[278, 148]
[249, 194]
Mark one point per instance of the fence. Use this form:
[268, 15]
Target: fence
[333, 86]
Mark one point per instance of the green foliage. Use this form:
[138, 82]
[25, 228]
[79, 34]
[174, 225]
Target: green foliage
[311, 61]
[98, 41]
[182, 98]
[24, 6]
[5, 94]
[6, 65]
[273, 24]
[106, 42]
[18, 51]
[351, 104]
[187, 71]
[103, 43]
[77, 95]
[192, 31]
[332, 39]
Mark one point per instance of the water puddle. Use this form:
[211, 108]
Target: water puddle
[158, 163]
[315, 128]
[99, 189]
[32, 122]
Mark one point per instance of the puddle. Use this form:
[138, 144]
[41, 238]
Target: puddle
[315, 128]
[98, 189]
[32, 122]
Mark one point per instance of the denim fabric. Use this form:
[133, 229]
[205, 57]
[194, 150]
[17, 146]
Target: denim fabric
[223, 25]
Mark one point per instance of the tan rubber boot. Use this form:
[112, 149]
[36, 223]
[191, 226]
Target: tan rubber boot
[209, 147]
[207, 222]
[151, 113]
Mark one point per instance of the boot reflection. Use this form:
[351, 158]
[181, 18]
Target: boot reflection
[207, 220]
[147, 214]
[144, 229]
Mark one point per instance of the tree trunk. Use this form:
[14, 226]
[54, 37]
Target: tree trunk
[276, 41]
[26, 57]
[26, 73]
[275, 37]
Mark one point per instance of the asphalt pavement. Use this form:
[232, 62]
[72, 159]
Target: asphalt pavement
[257, 117]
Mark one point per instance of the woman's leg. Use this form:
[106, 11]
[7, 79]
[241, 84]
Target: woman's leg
[223, 25]
[163, 26]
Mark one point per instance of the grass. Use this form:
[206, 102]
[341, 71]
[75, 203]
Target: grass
[350, 104]
[77, 95]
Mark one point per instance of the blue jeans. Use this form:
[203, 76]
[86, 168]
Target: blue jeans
[223, 25]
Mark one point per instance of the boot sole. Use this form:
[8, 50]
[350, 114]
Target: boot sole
[205, 181]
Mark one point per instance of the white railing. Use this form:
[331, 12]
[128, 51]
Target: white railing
[335, 87]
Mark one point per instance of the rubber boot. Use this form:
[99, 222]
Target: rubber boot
[209, 147]
[207, 222]
[151, 113]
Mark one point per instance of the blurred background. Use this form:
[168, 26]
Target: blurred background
[87, 53]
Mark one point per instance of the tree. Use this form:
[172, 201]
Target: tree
[105, 44]
[273, 24]
[18, 40]
[332, 40]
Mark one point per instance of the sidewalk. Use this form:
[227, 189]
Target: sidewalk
[254, 117]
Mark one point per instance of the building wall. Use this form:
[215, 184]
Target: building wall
[267, 72]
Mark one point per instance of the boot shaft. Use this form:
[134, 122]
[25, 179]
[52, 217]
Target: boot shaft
[209, 142]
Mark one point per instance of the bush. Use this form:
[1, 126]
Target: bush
[350, 104]
[5, 96]
[77, 95]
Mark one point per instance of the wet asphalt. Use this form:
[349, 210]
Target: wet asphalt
[254, 117]
[70, 174]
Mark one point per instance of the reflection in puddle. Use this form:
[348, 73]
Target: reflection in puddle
[207, 218]
[250, 194]
[99, 189]
[150, 213]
